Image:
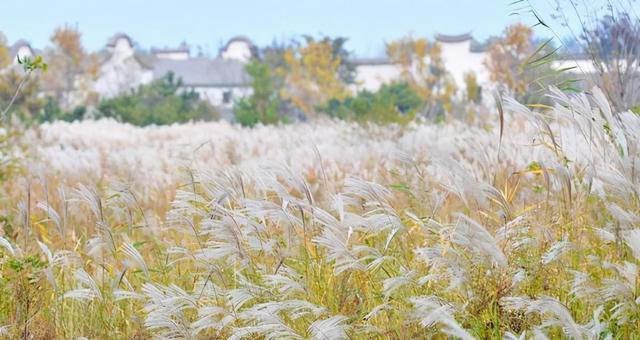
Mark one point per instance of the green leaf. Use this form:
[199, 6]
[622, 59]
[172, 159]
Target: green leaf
[401, 186]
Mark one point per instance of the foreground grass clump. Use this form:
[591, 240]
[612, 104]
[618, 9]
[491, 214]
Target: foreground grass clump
[346, 232]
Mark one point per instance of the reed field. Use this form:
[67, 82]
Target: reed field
[524, 225]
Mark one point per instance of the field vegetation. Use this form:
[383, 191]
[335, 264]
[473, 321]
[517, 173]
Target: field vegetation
[523, 228]
[419, 210]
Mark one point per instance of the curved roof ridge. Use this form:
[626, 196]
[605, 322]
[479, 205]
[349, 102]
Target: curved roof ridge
[241, 38]
[183, 47]
[120, 35]
[453, 38]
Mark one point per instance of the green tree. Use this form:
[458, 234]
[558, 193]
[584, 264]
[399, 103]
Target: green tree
[161, 102]
[51, 111]
[392, 103]
[262, 106]
[422, 68]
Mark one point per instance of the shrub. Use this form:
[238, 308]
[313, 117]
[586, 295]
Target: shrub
[161, 102]
[262, 106]
[25, 101]
[391, 103]
[51, 111]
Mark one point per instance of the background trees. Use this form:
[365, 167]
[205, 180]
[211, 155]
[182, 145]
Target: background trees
[317, 72]
[160, 102]
[422, 68]
[607, 35]
[5, 58]
[72, 69]
[523, 67]
[299, 79]
[263, 104]
[507, 56]
[28, 103]
[613, 44]
[294, 80]
[392, 103]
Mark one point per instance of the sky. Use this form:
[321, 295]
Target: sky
[208, 24]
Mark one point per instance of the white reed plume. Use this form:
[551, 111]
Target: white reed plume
[553, 312]
[557, 250]
[53, 216]
[165, 308]
[87, 288]
[476, 238]
[4, 243]
[135, 257]
[288, 282]
[432, 314]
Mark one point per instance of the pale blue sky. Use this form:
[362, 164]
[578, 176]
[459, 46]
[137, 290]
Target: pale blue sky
[158, 23]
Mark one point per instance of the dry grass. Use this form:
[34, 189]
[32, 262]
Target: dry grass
[329, 230]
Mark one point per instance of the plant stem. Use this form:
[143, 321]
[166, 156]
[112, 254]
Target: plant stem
[15, 95]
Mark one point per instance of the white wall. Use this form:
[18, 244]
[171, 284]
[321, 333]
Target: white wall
[176, 55]
[459, 60]
[23, 51]
[372, 77]
[121, 72]
[580, 66]
[237, 50]
[214, 95]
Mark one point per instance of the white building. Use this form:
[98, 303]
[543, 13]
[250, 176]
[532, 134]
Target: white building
[372, 73]
[22, 49]
[122, 68]
[461, 54]
[222, 80]
[219, 80]
[239, 48]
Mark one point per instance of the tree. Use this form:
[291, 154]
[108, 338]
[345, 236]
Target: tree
[606, 33]
[346, 70]
[422, 68]
[262, 105]
[160, 102]
[26, 103]
[18, 95]
[5, 56]
[51, 111]
[316, 72]
[523, 67]
[392, 103]
[72, 68]
[614, 47]
[473, 90]
[274, 57]
[507, 56]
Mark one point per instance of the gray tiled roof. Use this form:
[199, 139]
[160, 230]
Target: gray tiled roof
[203, 71]
[478, 47]
[252, 47]
[182, 48]
[242, 38]
[112, 41]
[453, 38]
[369, 61]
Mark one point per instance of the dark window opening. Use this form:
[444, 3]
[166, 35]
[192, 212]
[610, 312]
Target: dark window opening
[226, 97]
